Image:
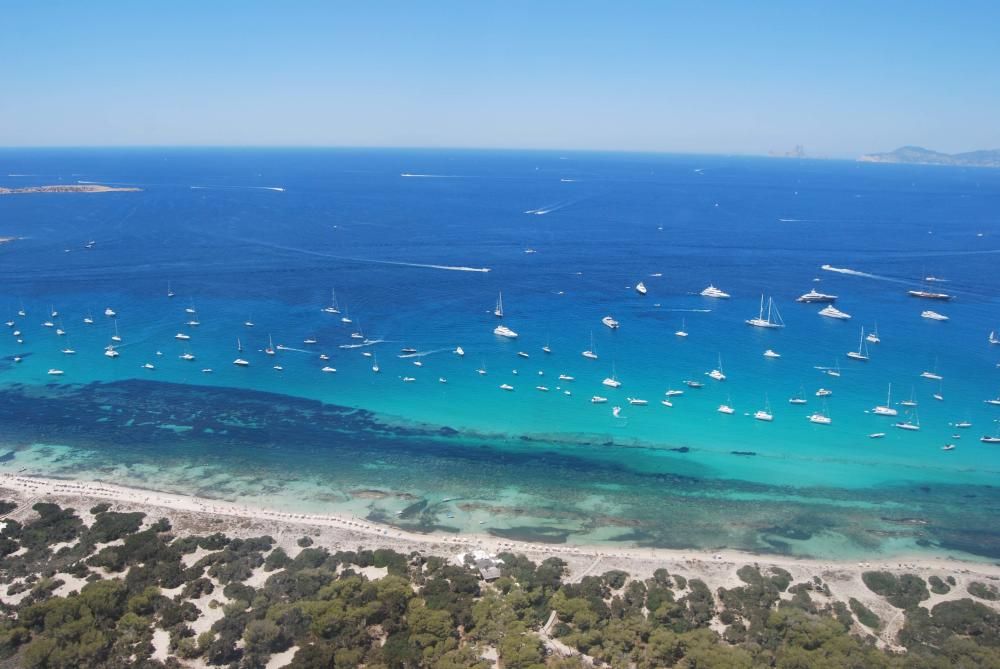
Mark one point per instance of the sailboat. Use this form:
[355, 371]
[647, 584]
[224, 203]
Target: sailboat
[346, 318]
[115, 336]
[765, 413]
[717, 372]
[821, 417]
[248, 322]
[640, 288]
[887, 409]
[590, 353]
[910, 402]
[908, 423]
[333, 308]
[170, 293]
[800, 398]
[498, 309]
[872, 337]
[727, 407]
[862, 352]
[375, 367]
[683, 331]
[270, 346]
[994, 339]
[612, 381]
[761, 322]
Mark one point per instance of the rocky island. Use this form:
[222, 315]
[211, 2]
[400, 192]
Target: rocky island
[916, 155]
[68, 188]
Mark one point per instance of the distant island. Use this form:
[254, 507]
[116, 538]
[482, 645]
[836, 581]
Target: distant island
[916, 155]
[69, 188]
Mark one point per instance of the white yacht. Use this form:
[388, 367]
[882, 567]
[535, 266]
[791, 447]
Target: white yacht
[506, 386]
[717, 373]
[773, 319]
[887, 409]
[640, 288]
[908, 424]
[240, 362]
[170, 292]
[148, 365]
[928, 295]
[88, 320]
[673, 393]
[771, 354]
[765, 413]
[328, 370]
[188, 356]
[712, 291]
[597, 399]
[683, 331]
[933, 315]
[270, 346]
[56, 372]
[459, 351]
[248, 323]
[522, 354]
[726, 408]
[111, 352]
[995, 401]
[666, 403]
[635, 401]
[872, 337]
[814, 296]
[543, 389]
[109, 312]
[182, 336]
[862, 352]
[933, 376]
[333, 308]
[116, 336]
[566, 377]
[823, 392]
[993, 338]
[948, 447]
[831, 311]
[504, 331]
[691, 383]
[611, 322]
[69, 351]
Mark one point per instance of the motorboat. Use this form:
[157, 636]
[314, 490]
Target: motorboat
[712, 291]
[933, 315]
[504, 331]
[927, 295]
[814, 296]
[640, 288]
[611, 322]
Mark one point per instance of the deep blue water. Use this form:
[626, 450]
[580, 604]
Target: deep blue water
[212, 224]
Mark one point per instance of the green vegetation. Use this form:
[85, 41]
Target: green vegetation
[938, 587]
[138, 577]
[904, 592]
[986, 591]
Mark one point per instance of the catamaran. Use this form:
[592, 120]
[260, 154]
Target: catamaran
[115, 336]
[712, 291]
[887, 409]
[333, 308]
[831, 311]
[814, 296]
[727, 407]
[109, 312]
[765, 413]
[820, 418]
[862, 352]
[761, 322]
[612, 381]
[717, 372]
[872, 337]
[170, 293]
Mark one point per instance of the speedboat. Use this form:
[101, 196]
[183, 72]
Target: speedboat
[611, 322]
[188, 356]
[504, 386]
[640, 288]
[823, 392]
[181, 335]
[148, 365]
[712, 291]
[876, 435]
[933, 376]
[240, 362]
[597, 399]
[109, 312]
[694, 384]
[820, 419]
[566, 377]
[831, 311]
[68, 351]
[56, 372]
[635, 401]
[948, 447]
[986, 439]
[459, 351]
[522, 354]
[994, 402]
[673, 393]
[933, 315]
[328, 369]
[408, 379]
[88, 320]
[543, 389]
[815, 296]
[771, 354]
[504, 331]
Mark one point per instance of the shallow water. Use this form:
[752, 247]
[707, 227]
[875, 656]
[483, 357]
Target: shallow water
[545, 466]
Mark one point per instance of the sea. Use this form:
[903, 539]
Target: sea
[418, 245]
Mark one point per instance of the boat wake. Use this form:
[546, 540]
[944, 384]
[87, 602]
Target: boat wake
[548, 209]
[420, 354]
[851, 272]
[695, 311]
[276, 189]
[320, 254]
[433, 176]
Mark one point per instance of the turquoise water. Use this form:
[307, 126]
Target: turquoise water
[526, 463]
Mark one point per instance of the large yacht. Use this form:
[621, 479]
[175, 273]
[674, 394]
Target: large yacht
[504, 331]
[712, 291]
[831, 311]
[815, 296]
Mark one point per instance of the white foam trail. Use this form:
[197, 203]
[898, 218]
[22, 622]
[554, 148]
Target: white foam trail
[432, 176]
[851, 272]
[794, 220]
[29, 175]
[420, 354]
[696, 311]
[568, 181]
[319, 254]
[277, 189]
[548, 209]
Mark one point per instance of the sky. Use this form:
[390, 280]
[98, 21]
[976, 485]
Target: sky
[840, 78]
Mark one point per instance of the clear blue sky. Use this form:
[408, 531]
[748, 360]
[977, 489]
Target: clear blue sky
[840, 78]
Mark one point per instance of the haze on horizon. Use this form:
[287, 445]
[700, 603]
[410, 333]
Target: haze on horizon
[840, 79]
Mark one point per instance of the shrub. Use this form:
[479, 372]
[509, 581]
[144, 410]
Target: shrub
[865, 615]
[986, 591]
[903, 592]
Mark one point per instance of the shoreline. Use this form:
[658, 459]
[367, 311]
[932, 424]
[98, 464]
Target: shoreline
[349, 528]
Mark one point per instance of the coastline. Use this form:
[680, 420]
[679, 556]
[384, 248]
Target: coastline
[352, 528]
